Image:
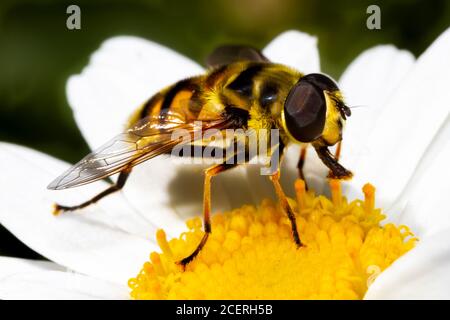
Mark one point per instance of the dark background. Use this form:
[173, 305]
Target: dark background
[38, 52]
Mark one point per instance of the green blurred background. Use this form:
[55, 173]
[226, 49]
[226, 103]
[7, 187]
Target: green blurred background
[38, 52]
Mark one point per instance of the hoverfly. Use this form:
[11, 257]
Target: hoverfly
[240, 85]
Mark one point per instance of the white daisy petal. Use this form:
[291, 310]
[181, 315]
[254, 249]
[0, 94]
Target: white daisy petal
[10, 266]
[422, 205]
[166, 193]
[88, 243]
[374, 75]
[57, 285]
[295, 49]
[115, 209]
[407, 125]
[368, 82]
[121, 75]
[422, 273]
[238, 189]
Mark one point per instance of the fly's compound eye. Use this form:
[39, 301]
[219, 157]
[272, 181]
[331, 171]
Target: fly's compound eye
[304, 112]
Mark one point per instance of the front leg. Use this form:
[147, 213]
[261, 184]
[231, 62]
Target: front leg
[337, 171]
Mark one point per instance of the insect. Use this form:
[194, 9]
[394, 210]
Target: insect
[241, 90]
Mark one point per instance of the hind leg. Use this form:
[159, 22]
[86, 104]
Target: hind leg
[123, 176]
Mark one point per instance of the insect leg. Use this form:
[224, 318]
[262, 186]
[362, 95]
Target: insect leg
[301, 163]
[209, 173]
[337, 154]
[276, 157]
[337, 171]
[275, 178]
[123, 176]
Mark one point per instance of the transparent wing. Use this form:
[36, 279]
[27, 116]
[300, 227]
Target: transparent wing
[149, 138]
[233, 53]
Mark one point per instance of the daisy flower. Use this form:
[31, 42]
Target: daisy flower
[399, 143]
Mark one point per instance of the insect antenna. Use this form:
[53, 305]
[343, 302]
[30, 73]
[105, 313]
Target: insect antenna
[359, 106]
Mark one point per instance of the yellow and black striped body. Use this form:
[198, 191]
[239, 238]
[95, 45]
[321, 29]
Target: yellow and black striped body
[251, 93]
[255, 97]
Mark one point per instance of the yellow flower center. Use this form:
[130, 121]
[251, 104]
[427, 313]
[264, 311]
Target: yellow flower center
[251, 254]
